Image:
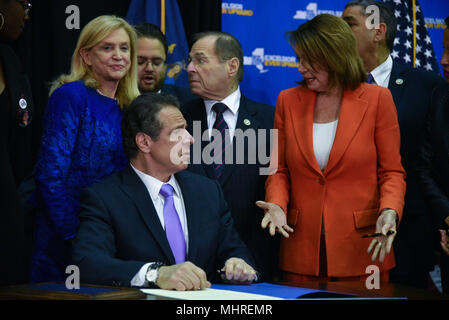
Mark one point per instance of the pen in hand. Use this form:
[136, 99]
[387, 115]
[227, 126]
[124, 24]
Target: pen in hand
[378, 234]
[222, 274]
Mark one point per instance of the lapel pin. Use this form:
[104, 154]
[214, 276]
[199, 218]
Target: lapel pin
[399, 81]
[24, 118]
[23, 103]
[247, 122]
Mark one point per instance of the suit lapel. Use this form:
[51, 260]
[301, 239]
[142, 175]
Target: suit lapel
[188, 189]
[302, 122]
[200, 114]
[352, 111]
[134, 188]
[246, 120]
[397, 85]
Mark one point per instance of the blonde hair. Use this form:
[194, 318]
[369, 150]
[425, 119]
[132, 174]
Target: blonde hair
[328, 41]
[92, 34]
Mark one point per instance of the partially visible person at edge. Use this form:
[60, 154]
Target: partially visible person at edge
[339, 169]
[81, 140]
[152, 52]
[411, 89]
[434, 167]
[16, 149]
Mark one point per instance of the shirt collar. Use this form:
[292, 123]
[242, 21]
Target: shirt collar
[154, 185]
[382, 71]
[232, 102]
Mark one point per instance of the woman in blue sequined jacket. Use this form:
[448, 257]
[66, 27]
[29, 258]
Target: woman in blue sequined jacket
[81, 141]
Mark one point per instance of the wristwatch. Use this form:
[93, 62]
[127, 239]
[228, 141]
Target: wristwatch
[153, 273]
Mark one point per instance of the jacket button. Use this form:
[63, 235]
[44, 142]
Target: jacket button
[320, 181]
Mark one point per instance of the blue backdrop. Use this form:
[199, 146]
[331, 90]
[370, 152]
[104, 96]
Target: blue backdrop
[270, 63]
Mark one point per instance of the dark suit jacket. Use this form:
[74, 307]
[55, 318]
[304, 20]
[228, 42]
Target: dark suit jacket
[434, 158]
[411, 90]
[433, 169]
[120, 230]
[242, 184]
[184, 95]
[17, 153]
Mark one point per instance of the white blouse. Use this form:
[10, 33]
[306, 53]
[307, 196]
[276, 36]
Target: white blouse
[323, 139]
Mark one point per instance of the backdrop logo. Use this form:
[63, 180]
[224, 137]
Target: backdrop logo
[435, 23]
[261, 60]
[257, 59]
[312, 11]
[235, 8]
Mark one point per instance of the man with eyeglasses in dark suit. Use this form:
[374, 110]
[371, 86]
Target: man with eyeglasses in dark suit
[152, 50]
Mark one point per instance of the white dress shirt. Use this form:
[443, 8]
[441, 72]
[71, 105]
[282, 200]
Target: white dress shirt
[230, 116]
[154, 186]
[382, 72]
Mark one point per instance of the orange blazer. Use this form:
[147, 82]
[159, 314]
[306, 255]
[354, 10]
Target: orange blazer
[363, 176]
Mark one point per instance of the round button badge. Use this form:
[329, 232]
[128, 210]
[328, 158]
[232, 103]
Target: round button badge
[23, 103]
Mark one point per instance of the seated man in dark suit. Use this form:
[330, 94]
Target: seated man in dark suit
[215, 71]
[149, 225]
[152, 50]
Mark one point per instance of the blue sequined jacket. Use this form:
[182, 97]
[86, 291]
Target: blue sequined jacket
[81, 144]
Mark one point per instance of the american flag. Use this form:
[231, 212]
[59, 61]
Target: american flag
[403, 43]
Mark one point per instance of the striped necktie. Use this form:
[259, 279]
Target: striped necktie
[220, 125]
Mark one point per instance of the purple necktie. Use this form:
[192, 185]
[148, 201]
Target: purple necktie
[173, 228]
[221, 125]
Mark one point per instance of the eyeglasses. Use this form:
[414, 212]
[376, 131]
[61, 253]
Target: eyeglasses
[26, 6]
[156, 63]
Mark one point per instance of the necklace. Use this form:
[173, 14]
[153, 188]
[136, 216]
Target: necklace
[98, 90]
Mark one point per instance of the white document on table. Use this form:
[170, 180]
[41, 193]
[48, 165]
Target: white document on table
[207, 294]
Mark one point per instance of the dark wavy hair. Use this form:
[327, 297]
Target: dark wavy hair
[143, 116]
[152, 31]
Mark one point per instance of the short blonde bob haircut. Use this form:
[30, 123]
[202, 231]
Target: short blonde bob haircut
[328, 42]
[92, 34]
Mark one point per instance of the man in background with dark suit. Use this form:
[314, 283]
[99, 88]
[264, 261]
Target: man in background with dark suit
[411, 90]
[146, 225]
[215, 70]
[152, 51]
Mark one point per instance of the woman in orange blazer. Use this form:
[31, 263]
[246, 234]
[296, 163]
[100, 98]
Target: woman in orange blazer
[339, 172]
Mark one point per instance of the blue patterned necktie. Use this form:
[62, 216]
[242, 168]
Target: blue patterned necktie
[220, 125]
[173, 227]
[371, 79]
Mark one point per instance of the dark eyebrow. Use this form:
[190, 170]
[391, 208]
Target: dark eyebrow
[349, 19]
